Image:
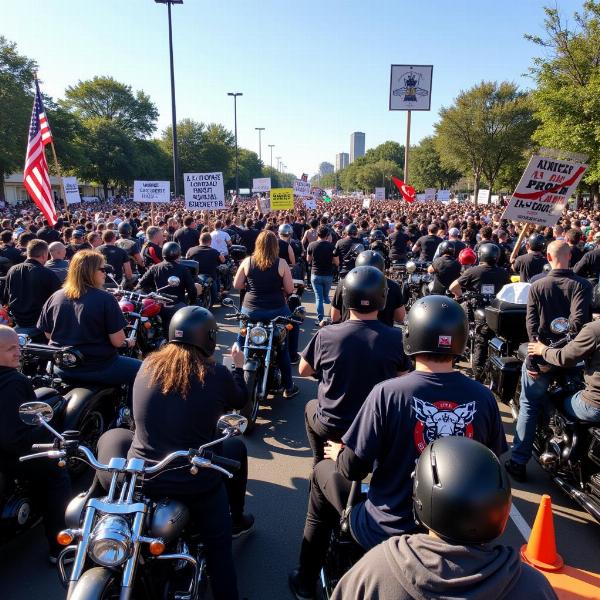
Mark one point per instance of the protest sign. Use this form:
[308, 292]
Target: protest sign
[261, 184]
[482, 196]
[301, 188]
[543, 190]
[310, 203]
[367, 203]
[151, 191]
[421, 197]
[410, 87]
[443, 195]
[265, 205]
[379, 193]
[430, 194]
[71, 190]
[204, 191]
[90, 198]
[282, 199]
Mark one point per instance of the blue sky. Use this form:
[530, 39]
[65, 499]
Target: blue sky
[311, 72]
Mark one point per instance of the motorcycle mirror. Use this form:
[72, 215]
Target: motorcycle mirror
[411, 267]
[34, 413]
[300, 311]
[173, 281]
[232, 422]
[559, 326]
[227, 302]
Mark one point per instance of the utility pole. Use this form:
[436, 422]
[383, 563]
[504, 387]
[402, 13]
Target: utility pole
[237, 169]
[271, 146]
[260, 130]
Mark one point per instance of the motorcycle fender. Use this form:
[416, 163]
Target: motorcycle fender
[251, 365]
[92, 584]
[78, 399]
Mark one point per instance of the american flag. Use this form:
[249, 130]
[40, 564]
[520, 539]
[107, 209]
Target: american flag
[36, 176]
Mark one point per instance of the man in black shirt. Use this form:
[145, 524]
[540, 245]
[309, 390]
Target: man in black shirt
[589, 264]
[531, 264]
[208, 260]
[152, 251]
[8, 249]
[445, 268]
[77, 244]
[187, 236]
[249, 235]
[116, 257]
[47, 233]
[286, 251]
[29, 285]
[321, 259]
[347, 249]
[130, 245]
[573, 237]
[398, 241]
[57, 262]
[426, 245]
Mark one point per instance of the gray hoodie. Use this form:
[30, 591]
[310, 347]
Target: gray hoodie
[421, 567]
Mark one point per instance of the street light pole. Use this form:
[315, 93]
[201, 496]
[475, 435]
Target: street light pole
[173, 109]
[260, 130]
[278, 158]
[237, 171]
[271, 146]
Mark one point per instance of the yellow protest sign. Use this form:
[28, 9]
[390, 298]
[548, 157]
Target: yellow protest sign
[282, 198]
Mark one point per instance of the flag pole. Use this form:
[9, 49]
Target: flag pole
[62, 187]
[407, 148]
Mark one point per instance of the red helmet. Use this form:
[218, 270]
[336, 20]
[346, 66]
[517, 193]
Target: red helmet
[467, 257]
[4, 317]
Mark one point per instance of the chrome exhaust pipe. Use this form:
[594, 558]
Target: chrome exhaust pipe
[583, 499]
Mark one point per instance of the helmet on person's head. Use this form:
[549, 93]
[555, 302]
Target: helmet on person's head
[124, 229]
[447, 247]
[195, 326]
[351, 230]
[465, 505]
[377, 236]
[285, 230]
[370, 258]
[364, 289]
[536, 242]
[489, 253]
[171, 251]
[436, 325]
[467, 257]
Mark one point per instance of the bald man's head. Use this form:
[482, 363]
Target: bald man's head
[57, 250]
[10, 351]
[559, 254]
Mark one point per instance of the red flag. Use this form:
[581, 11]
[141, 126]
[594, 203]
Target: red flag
[407, 191]
[36, 177]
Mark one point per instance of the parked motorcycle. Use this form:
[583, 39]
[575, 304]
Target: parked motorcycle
[205, 294]
[263, 342]
[474, 304]
[414, 280]
[122, 543]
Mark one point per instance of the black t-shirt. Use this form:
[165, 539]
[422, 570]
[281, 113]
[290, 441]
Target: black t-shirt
[152, 254]
[248, 237]
[589, 264]
[84, 324]
[484, 279]
[322, 257]
[528, 265]
[447, 270]
[208, 259]
[157, 276]
[72, 249]
[12, 254]
[337, 354]
[399, 418]
[48, 234]
[398, 241]
[299, 229]
[576, 255]
[116, 257]
[187, 238]
[347, 249]
[428, 245]
[284, 251]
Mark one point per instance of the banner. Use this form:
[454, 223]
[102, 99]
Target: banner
[482, 196]
[430, 194]
[90, 198]
[282, 199]
[443, 195]
[71, 190]
[421, 197]
[367, 203]
[262, 184]
[379, 193]
[301, 188]
[204, 191]
[265, 205]
[544, 190]
[410, 87]
[151, 191]
[310, 203]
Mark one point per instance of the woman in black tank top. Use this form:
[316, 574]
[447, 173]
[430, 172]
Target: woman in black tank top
[267, 280]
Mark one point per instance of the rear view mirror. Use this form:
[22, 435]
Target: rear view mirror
[34, 413]
[232, 422]
[228, 302]
[173, 281]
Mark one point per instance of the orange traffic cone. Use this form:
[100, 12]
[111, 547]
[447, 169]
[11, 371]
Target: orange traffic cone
[540, 550]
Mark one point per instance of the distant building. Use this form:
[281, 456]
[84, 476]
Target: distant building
[357, 145]
[325, 168]
[342, 160]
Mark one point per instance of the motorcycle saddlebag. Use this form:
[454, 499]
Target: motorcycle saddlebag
[192, 265]
[504, 375]
[507, 320]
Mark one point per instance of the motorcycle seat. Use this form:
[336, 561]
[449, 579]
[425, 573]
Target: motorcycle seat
[522, 351]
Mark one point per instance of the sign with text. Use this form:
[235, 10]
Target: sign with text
[366, 203]
[430, 194]
[71, 190]
[265, 205]
[282, 199]
[261, 184]
[482, 196]
[544, 190]
[410, 87]
[310, 203]
[443, 195]
[151, 191]
[301, 188]
[379, 193]
[204, 191]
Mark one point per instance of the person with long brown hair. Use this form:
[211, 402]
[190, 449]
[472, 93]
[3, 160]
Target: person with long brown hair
[267, 280]
[84, 316]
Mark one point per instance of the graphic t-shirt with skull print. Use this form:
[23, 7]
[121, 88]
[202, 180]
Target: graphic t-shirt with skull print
[399, 418]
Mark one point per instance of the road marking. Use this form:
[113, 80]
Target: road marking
[520, 522]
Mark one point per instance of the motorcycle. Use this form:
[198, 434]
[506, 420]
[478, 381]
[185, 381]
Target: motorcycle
[205, 283]
[263, 342]
[123, 544]
[414, 280]
[474, 304]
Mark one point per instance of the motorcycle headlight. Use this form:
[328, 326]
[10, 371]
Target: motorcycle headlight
[110, 542]
[411, 267]
[258, 335]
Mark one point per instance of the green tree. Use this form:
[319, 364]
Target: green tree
[151, 161]
[16, 100]
[426, 170]
[567, 98]
[108, 99]
[250, 167]
[387, 151]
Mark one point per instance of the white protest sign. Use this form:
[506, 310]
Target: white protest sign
[301, 188]
[379, 193]
[261, 184]
[151, 191]
[430, 194]
[443, 195]
[71, 190]
[204, 191]
[310, 203]
[410, 87]
[89, 198]
[265, 205]
[543, 190]
[482, 196]
[367, 203]
[421, 197]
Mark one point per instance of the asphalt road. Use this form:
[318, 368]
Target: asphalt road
[277, 494]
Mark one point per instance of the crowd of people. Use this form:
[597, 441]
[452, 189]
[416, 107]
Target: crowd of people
[382, 416]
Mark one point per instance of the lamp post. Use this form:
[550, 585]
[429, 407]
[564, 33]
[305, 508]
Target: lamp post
[271, 146]
[278, 159]
[173, 110]
[237, 171]
[260, 130]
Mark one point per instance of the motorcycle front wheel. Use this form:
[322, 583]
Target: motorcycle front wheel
[253, 381]
[97, 583]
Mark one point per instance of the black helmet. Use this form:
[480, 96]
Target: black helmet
[436, 325]
[351, 230]
[364, 289]
[537, 242]
[465, 505]
[447, 247]
[285, 230]
[370, 258]
[195, 326]
[377, 235]
[488, 253]
[171, 251]
[124, 229]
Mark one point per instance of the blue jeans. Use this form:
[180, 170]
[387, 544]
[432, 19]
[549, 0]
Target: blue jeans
[531, 401]
[283, 359]
[321, 286]
[576, 407]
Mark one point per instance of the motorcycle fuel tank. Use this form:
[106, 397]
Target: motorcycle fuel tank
[168, 519]
[150, 308]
